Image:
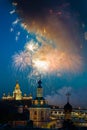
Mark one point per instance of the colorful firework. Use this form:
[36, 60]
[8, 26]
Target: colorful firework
[56, 30]
[32, 46]
[47, 58]
[22, 60]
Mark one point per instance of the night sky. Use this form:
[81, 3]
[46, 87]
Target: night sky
[46, 39]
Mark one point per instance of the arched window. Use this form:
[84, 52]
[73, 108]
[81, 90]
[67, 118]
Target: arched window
[35, 115]
[42, 115]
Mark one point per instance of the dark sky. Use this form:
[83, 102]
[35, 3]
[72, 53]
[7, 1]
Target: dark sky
[56, 28]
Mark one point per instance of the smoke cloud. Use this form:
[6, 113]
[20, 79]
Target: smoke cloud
[77, 99]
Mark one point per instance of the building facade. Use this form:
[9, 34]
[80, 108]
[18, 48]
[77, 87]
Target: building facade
[40, 110]
[17, 94]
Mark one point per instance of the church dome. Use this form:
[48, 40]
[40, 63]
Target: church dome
[68, 107]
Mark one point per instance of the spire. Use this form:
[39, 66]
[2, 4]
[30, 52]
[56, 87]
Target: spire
[16, 81]
[68, 96]
[68, 108]
[39, 88]
[17, 85]
[39, 81]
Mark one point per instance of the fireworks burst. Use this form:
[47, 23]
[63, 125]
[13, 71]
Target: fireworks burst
[32, 46]
[41, 65]
[55, 29]
[51, 20]
[22, 60]
[56, 61]
[47, 58]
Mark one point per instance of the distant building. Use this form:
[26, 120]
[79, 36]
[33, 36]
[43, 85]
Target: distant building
[17, 94]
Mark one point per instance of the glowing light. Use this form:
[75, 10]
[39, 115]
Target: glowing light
[16, 38]
[27, 36]
[18, 33]
[13, 11]
[41, 66]
[24, 25]
[11, 29]
[31, 46]
[14, 3]
[44, 30]
[16, 21]
[51, 59]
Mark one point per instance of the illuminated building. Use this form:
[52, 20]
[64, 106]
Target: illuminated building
[40, 110]
[17, 94]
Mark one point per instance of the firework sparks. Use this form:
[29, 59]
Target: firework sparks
[11, 29]
[32, 46]
[62, 53]
[64, 35]
[22, 60]
[16, 21]
[45, 58]
[44, 26]
[23, 25]
[18, 33]
[56, 60]
[14, 4]
[16, 38]
[41, 66]
[12, 12]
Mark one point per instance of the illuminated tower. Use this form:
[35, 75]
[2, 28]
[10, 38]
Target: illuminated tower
[67, 108]
[17, 94]
[39, 111]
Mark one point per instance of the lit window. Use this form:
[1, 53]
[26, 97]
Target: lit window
[36, 102]
[41, 102]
